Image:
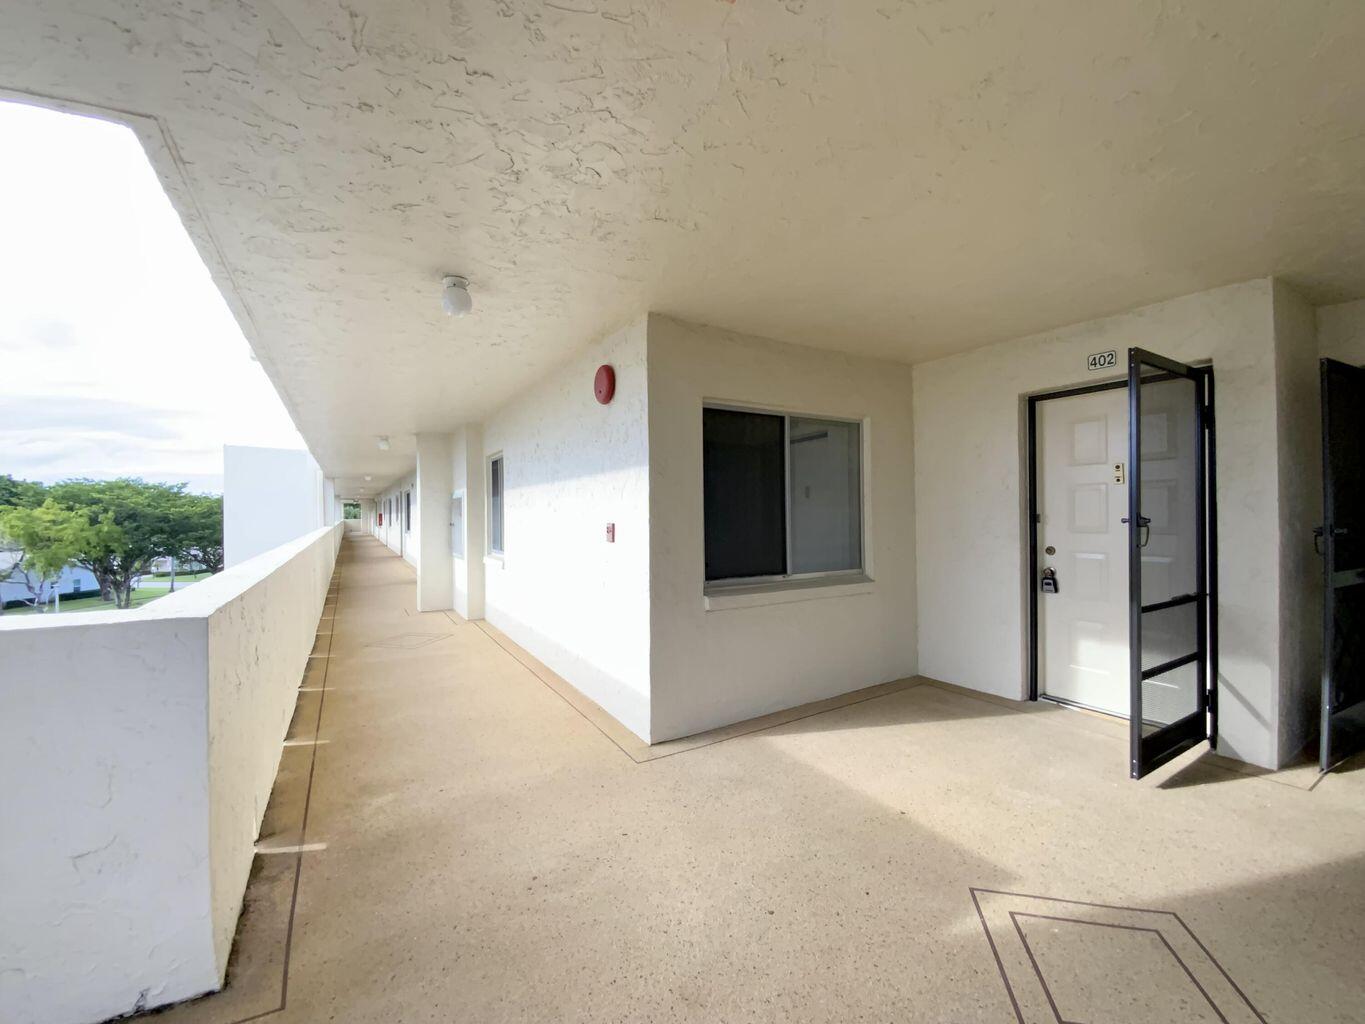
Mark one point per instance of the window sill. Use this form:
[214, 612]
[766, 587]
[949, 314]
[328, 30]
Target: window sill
[785, 592]
[495, 560]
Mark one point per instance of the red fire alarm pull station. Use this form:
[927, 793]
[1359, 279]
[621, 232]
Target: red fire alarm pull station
[611, 533]
[604, 384]
[381, 518]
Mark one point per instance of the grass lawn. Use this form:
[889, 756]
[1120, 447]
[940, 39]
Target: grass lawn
[93, 604]
[158, 587]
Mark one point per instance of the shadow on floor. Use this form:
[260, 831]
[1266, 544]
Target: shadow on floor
[925, 704]
[1209, 768]
[1296, 947]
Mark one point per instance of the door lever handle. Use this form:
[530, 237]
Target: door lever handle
[1320, 533]
[1144, 530]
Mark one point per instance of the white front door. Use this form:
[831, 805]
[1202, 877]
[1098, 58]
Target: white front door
[1082, 451]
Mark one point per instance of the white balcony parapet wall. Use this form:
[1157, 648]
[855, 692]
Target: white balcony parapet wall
[272, 496]
[137, 754]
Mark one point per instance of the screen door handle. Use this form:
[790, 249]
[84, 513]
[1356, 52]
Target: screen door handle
[1144, 530]
[1318, 534]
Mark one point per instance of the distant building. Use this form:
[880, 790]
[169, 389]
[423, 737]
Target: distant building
[73, 582]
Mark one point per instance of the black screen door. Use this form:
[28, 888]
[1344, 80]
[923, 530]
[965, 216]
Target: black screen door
[1169, 541]
[1342, 541]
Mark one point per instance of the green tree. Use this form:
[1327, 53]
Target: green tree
[197, 531]
[46, 539]
[128, 524]
[16, 494]
[23, 493]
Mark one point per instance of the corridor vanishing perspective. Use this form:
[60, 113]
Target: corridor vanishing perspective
[812, 513]
[455, 834]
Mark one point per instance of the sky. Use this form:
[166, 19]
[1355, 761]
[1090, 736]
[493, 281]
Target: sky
[118, 356]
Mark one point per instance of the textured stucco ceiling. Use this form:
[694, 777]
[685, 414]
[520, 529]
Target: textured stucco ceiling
[904, 179]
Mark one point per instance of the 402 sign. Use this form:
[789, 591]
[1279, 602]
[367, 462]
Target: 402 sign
[1102, 361]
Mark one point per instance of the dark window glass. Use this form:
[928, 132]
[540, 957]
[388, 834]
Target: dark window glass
[744, 483]
[495, 489]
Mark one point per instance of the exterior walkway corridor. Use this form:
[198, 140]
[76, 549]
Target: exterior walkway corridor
[468, 841]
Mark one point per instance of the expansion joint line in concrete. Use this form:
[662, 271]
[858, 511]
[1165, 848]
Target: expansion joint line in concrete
[333, 589]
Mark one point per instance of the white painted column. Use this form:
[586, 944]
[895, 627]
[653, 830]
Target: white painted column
[435, 477]
[469, 477]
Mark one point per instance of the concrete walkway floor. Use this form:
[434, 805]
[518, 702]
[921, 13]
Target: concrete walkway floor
[478, 849]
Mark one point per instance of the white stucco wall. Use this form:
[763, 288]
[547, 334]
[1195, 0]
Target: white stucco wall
[137, 753]
[1341, 332]
[1299, 417]
[270, 497]
[467, 476]
[384, 531]
[454, 464]
[391, 533]
[331, 504]
[573, 600]
[712, 667]
[969, 457]
[105, 892]
[262, 624]
[431, 507]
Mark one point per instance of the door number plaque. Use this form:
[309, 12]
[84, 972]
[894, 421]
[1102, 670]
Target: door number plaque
[1102, 360]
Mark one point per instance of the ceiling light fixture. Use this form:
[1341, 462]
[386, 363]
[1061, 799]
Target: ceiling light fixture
[383, 442]
[368, 477]
[455, 298]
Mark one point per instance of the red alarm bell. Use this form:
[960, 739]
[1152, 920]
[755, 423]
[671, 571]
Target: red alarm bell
[604, 384]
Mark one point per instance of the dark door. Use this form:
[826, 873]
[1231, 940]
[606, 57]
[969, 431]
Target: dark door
[1342, 541]
[1170, 622]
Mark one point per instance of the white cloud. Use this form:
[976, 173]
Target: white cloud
[117, 354]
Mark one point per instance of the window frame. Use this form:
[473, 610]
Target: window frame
[489, 550]
[859, 574]
[458, 541]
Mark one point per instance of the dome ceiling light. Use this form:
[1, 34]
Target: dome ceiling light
[455, 298]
